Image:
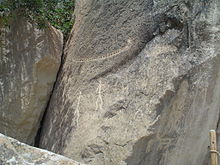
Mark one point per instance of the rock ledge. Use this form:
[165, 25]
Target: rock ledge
[13, 152]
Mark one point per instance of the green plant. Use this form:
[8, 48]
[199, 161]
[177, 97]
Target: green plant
[57, 12]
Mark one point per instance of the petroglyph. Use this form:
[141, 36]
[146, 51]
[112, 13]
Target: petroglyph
[76, 113]
[115, 53]
[99, 102]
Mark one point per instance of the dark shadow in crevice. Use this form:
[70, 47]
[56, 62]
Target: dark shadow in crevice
[39, 132]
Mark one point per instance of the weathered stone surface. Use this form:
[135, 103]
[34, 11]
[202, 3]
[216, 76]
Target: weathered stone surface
[140, 83]
[29, 62]
[13, 152]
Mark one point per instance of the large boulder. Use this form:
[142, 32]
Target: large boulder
[13, 152]
[140, 83]
[29, 62]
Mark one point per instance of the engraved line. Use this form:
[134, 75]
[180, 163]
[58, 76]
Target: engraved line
[99, 99]
[76, 113]
[108, 55]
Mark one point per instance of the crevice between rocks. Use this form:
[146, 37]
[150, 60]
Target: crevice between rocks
[38, 135]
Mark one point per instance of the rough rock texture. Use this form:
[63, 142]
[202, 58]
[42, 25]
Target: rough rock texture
[29, 62]
[13, 152]
[140, 83]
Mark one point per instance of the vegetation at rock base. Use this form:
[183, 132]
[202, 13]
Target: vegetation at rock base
[57, 12]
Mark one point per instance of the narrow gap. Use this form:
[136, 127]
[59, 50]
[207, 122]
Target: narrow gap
[39, 132]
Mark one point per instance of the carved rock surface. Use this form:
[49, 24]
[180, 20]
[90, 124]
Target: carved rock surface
[140, 84]
[29, 62]
[13, 152]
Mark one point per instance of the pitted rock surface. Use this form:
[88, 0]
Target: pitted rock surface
[13, 152]
[151, 104]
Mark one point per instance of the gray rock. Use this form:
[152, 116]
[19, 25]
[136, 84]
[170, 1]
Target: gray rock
[13, 152]
[139, 85]
[29, 62]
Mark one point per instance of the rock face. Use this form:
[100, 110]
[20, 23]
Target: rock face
[12, 152]
[29, 62]
[140, 84]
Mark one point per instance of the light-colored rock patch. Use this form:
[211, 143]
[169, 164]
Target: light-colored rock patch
[29, 62]
[13, 152]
